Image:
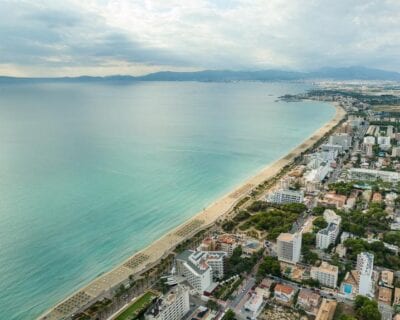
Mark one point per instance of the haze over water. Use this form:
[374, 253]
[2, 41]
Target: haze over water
[89, 173]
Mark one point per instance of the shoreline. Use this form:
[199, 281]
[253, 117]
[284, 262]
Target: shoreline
[160, 248]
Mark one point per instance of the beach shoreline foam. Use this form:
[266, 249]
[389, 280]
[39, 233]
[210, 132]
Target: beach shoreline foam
[151, 255]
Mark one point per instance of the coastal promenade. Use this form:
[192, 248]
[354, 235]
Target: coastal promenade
[151, 255]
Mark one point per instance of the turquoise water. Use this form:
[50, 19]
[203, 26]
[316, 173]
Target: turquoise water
[90, 173]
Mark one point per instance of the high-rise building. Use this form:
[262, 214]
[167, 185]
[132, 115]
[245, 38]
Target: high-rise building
[328, 235]
[326, 274]
[172, 306]
[341, 139]
[200, 267]
[365, 268]
[285, 196]
[289, 247]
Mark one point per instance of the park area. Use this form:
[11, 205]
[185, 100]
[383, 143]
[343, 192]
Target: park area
[137, 307]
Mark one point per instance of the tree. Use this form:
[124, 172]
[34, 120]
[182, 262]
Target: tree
[270, 265]
[318, 211]
[319, 223]
[367, 309]
[308, 239]
[213, 305]
[346, 317]
[229, 315]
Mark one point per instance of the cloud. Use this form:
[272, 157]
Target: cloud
[46, 37]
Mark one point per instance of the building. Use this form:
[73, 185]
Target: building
[333, 200]
[318, 174]
[173, 306]
[396, 299]
[369, 150]
[284, 294]
[384, 143]
[342, 139]
[286, 196]
[332, 147]
[365, 265]
[308, 301]
[227, 243]
[254, 304]
[372, 175]
[369, 140]
[326, 310]
[289, 247]
[326, 274]
[385, 295]
[396, 152]
[327, 236]
[349, 286]
[376, 197]
[200, 267]
[387, 277]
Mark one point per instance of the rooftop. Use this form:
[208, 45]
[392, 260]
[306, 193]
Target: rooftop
[284, 289]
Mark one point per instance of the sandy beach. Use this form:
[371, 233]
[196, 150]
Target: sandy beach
[150, 255]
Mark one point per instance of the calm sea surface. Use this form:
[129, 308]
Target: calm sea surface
[90, 173]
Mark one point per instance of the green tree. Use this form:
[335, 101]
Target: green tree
[270, 265]
[319, 223]
[213, 305]
[346, 317]
[229, 315]
[318, 211]
[367, 309]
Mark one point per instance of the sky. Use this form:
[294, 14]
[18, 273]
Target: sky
[104, 37]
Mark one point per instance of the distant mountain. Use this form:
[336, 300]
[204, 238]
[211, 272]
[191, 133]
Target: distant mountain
[349, 73]
[355, 73]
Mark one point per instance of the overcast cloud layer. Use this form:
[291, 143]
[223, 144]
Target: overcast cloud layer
[100, 37]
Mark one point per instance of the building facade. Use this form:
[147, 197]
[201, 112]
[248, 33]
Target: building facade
[173, 306]
[326, 274]
[289, 247]
[200, 267]
[283, 196]
[365, 267]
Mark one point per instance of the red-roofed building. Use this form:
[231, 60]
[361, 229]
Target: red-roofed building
[284, 294]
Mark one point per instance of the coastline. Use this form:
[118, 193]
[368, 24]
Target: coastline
[151, 255]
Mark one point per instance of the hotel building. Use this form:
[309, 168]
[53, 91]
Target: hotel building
[289, 247]
[173, 306]
[326, 274]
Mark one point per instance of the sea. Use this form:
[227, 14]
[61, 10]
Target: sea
[92, 172]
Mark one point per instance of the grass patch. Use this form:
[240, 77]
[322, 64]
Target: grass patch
[137, 307]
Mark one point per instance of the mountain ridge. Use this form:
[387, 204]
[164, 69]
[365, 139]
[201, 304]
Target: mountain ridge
[328, 73]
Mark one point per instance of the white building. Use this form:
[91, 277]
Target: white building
[365, 268]
[372, 175]
[200, 267]
[254, 304]
[326, 274]
[328, 235]
[289, 247]
[341, 139]
[369, 140]
[332, 147]
[369, 150]
[390, 131]
[286, 196]
[396, 152]
[318, 174]
[384, 143]
[173, 306]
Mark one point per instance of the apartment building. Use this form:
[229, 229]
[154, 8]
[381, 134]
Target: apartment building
[289, 247]
[326, 274]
